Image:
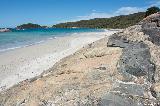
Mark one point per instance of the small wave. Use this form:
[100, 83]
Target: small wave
[24, 41]
[75, 33]
[52, 38]
[26, 45]
[8, 49]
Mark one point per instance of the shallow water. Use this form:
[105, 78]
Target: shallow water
[22, 38]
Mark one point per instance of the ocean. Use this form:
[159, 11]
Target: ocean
[23, 38]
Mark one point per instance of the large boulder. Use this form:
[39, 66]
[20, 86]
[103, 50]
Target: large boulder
[151, 27]
[135, 59]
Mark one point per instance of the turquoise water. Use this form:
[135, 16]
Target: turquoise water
[22, 38]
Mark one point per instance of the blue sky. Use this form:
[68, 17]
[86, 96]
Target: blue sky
[49, 12]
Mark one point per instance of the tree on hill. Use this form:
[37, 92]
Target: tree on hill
[122, 21]
[29, 26]
[152, 10]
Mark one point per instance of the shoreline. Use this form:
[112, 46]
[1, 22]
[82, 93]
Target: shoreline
[23, 46]
[28, 62]
[43, 41]
[4, 50]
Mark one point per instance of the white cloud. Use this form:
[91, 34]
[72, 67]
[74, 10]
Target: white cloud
[94, 10]
[94, 14]
[154, 3]
[128, 10]
[120, 11]
[97, 14]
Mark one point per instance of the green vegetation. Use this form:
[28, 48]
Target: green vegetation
[119, 22]
[29, 26]
[152, 10]
[122, 21]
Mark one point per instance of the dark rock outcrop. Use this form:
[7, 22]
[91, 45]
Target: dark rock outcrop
[135, 59]
[135, 62]
[151, 27]
[140, 57]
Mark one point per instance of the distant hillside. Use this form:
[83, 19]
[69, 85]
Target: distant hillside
[30, 26]
[122, 21]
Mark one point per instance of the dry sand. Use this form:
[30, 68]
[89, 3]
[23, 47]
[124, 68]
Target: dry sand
[25, 63]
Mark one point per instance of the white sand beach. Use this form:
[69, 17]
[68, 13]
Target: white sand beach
[25, 63]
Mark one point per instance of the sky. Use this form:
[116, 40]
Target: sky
[49, 12]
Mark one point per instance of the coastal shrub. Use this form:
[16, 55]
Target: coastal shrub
[152, 10]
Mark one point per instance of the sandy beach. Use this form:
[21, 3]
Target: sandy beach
[25, 63]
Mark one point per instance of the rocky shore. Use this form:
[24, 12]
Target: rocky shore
[120, 70]
[5, 30]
